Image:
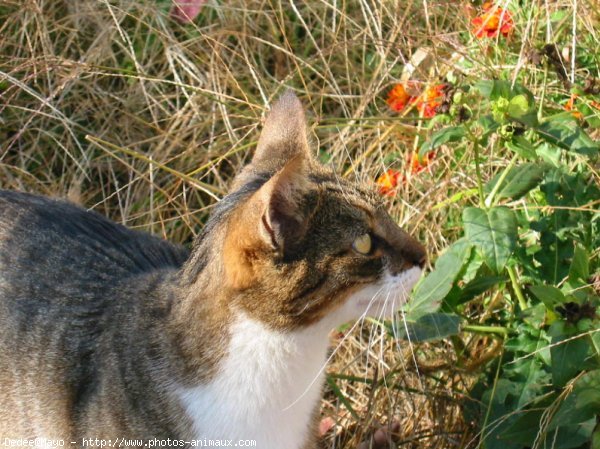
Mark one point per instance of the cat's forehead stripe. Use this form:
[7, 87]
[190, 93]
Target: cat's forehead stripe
[356, 201]
[347, 191]
[334, 182]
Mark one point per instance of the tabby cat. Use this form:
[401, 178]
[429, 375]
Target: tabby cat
[114, 335]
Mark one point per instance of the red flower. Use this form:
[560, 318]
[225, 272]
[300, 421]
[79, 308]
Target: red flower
[430, 100]
[388, 182]
[493, 21]
[427, 102]
[398, 98]
[417, 165]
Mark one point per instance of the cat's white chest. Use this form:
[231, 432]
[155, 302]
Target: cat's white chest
[266, 390]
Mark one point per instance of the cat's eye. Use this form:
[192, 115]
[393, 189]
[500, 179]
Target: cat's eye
[363, 244]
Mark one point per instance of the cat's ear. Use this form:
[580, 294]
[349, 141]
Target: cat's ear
[284, 137]
[281, 198]
[269, 222]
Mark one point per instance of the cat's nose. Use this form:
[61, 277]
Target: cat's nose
[405, 252]
[414, 253]
[411, 254]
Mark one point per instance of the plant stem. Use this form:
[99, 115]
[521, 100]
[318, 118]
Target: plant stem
[485, 329]
[542, 98]
[516, 287]
[490, 198]
[478, 172]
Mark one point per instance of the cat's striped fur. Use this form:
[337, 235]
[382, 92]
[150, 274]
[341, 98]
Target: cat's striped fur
[106, 332]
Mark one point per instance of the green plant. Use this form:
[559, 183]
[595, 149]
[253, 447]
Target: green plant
[530, 246]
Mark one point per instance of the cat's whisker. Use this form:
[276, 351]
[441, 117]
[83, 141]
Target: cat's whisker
[308, 306]
[379, 318]
[324, 365]
[383, 314]
[396, 329]
[412, 352]
[398, 319]
[382, 363]
[361, 320]
[393, 298]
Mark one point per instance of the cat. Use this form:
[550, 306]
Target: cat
[113, 335]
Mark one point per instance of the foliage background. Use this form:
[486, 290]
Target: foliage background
[118, 107]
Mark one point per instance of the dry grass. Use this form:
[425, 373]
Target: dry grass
[117, 107]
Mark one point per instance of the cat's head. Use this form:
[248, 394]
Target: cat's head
[303, 244]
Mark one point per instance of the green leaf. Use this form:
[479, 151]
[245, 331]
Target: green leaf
[485, 87]
[441, 137]
[494, 232]
[549, 154]
[519, 180]
[432, 289]
[520, 430]
[587, 390]
[566, 134]
[567, 355]
[478, 286]
[500, 401]
[522, 147]
[433, 326]
[496, 89]
[596, 439]
[518, 106]
[522, 110]
[580, 269]
[549, 295]
[591, 114]
[488, 125]
[582, 404]
[530, 372]
[560, 226]
[566, 436]
[535, 315]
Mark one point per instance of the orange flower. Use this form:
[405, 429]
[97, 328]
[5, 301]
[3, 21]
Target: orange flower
[417, 165]
[388, 182]
[493, 21]
[430, 100]
[398, 98]
[570, 106]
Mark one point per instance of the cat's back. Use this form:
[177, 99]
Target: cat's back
[69, 280]
[57, 259]
[46, 241]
